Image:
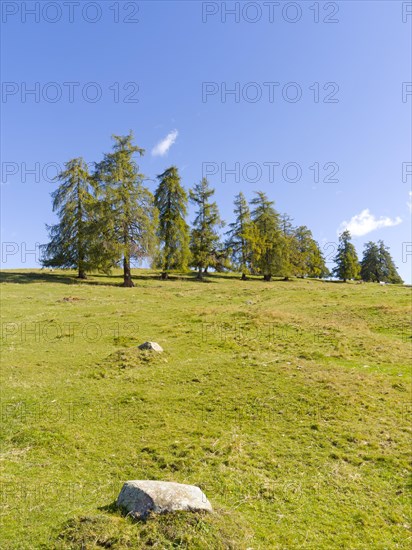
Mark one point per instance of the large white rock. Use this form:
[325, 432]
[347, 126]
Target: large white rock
[143, 496]
[154, 346]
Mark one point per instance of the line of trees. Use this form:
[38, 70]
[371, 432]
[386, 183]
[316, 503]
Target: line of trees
[376, 266]
[109, 218]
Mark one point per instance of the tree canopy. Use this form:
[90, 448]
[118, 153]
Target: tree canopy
[128, 212]
[204, 238]
[346, 259]
[71, 240]
[173, 231]
[377, 264]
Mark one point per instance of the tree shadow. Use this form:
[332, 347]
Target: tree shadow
[28, 277]
[33, 277]
[95, 279]
[115, 280]
[119, 278]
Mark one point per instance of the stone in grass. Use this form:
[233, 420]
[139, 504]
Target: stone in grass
[141, 497]
[154, 346]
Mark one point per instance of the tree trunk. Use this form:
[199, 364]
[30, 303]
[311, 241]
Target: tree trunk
[267, 277]
[165, 275]
[244, 278]
[200, 273]
[286, 279]
[127, 275]
[82, 274]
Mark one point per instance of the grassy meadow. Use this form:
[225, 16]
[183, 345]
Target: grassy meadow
[288, 403]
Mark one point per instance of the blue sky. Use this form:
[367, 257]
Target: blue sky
[312, 100]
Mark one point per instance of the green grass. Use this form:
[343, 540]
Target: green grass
[288, 403]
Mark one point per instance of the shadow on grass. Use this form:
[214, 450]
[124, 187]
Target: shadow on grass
[16, 277]
[33, 277]
[102, 279]
[114, 509]
[110, 508]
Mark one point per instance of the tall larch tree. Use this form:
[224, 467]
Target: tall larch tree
[377, 264]
[289, 246]
[128, 212]
[308, 258]
[237, 242]
[71, 239]
[204, 237]
[370, 264]
[173, 231]
[390, 271]
[346, 259]
[266, 238]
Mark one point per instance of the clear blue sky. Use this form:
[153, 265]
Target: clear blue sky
[169, 53]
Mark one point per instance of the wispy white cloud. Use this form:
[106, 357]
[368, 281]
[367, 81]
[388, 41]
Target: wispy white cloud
[161, 148]
[409, 203]
[365, 222]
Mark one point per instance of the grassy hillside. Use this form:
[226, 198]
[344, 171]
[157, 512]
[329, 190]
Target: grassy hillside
[288, 403]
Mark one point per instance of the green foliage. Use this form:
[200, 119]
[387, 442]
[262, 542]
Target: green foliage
[204, 238]
[370, 265]
[290, 255]
[128, 216]
[377, 264]
[219, 258]
[346, 259]
[237, 243]
[173, 231]
[390, 272]
[72, 239]
[266, 239]
[111, 218]
[307, 259]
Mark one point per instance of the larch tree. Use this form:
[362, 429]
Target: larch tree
[289, 246]
[370, 264]
[316, 264]
[308, 258]
[377, 264]
[128, 214]
[71, 240]
[204, 237]
[173, 231]
[390, 272]
[346, 259]
[266, 238]
[237, 243]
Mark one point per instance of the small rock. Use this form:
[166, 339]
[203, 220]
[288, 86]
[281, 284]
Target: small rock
[140, 497]
[151, 346]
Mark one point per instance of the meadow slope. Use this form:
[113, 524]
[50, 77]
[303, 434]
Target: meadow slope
[288, 403]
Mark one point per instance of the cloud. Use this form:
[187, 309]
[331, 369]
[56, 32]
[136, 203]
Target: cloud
[409, 203]
[161, 148]
[365, 222]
